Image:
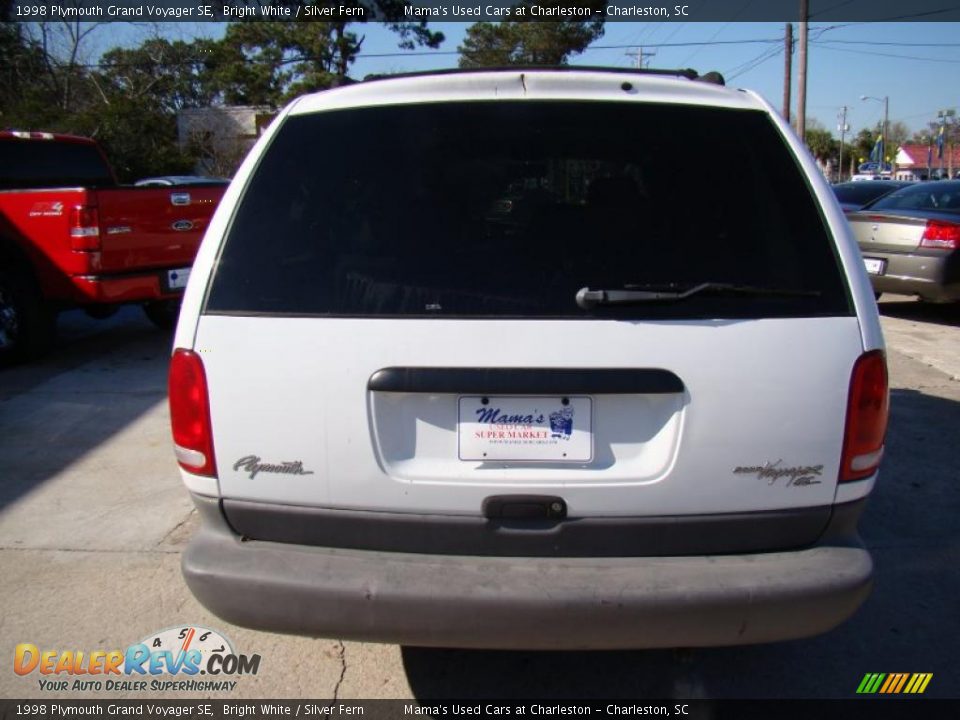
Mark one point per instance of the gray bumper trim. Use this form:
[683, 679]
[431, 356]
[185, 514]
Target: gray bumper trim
[523, 603]
[933, 276]
[667, 535]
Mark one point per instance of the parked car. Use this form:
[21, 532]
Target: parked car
[71, 237]
[854, 195]
[633, 420]
[910, 240]
[172, 180]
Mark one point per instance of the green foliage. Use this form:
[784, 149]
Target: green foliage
[862, 144]
[21, 63]
[821, 143]
[140, 141]
[130, 100]
[526, 43]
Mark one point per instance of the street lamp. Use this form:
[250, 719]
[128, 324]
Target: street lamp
[886, 118]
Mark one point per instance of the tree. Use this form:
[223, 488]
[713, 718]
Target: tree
[863, 143]
[21, 62]
[166, 75]
[897, 135]
[270, 63]
[65, 57]
[526, 43]
[821, 143]
[130, 100]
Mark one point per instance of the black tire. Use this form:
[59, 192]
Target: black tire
[163, 313]
[27, 324]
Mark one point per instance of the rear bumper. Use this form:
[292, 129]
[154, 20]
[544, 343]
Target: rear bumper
[933, 277]
[121, 288]
[524, 602]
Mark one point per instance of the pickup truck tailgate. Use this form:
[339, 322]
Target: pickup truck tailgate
[153, 227]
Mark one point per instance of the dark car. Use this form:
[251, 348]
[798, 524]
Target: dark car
[854, 195]
[910, 240]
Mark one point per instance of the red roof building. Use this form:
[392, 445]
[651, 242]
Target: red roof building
[912, 159]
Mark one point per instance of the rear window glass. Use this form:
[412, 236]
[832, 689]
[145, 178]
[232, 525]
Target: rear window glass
[863, 192]
[507, 209]
[937, 195]
[47, 163]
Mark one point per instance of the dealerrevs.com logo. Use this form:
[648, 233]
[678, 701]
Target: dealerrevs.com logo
[179, 659]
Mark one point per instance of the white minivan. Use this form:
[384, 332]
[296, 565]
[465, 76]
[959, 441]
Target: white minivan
[469, 359]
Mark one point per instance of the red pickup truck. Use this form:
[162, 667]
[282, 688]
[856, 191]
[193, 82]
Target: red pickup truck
[70, 236]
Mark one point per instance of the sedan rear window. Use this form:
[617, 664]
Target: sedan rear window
[937, 195]
[860, 193]
[508, 209]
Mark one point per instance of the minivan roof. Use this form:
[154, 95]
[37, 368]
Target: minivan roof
[518, 83]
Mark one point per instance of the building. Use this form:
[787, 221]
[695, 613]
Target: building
[221, 136]
[920, 162]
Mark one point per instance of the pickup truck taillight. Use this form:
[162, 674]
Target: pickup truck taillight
[867, 411]
[941, 234]
[190, 414]
[84, 228]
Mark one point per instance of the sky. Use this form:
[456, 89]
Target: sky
[915, 64]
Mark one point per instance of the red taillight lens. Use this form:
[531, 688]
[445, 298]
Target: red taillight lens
[84, 228]
[941, 234]
[867, 411]
[190, 414]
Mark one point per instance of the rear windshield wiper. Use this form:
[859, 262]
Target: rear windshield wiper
[635, 294]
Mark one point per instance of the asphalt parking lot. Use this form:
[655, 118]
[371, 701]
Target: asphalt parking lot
[93, 518]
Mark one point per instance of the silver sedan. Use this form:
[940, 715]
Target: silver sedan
[910, 241]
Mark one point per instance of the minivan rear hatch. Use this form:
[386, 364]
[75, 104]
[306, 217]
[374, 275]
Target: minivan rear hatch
[394, 327]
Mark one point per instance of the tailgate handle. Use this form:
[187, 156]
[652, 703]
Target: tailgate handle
[180, 198]
[524, 507]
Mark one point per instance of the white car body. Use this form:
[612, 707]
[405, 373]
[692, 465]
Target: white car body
[756, 426]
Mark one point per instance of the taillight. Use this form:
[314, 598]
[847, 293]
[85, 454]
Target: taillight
[190, 414]
[84, 228]
[867, 411]
[941, 234]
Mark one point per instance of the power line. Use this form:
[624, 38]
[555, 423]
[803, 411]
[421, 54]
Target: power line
[894, 44]
[688, 44]
[763, 57]
[824, 44]
[714, 36]
[832, 7]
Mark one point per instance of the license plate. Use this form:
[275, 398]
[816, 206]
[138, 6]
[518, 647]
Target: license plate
[514, 428]
[874, 265]
[177, 279]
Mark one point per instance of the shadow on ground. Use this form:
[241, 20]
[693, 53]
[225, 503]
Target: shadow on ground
[910, 309]
[98, 379]
[911, 527]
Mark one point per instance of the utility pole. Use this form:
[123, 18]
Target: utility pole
[842, 127]
[802, 74]
[883, 129]
[943, 143]
[641, 56]
[787, 69]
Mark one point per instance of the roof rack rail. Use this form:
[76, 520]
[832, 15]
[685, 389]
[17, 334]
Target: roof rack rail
[711, 77]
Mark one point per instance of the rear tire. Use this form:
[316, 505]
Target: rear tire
[163, 313]
[27, 324]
